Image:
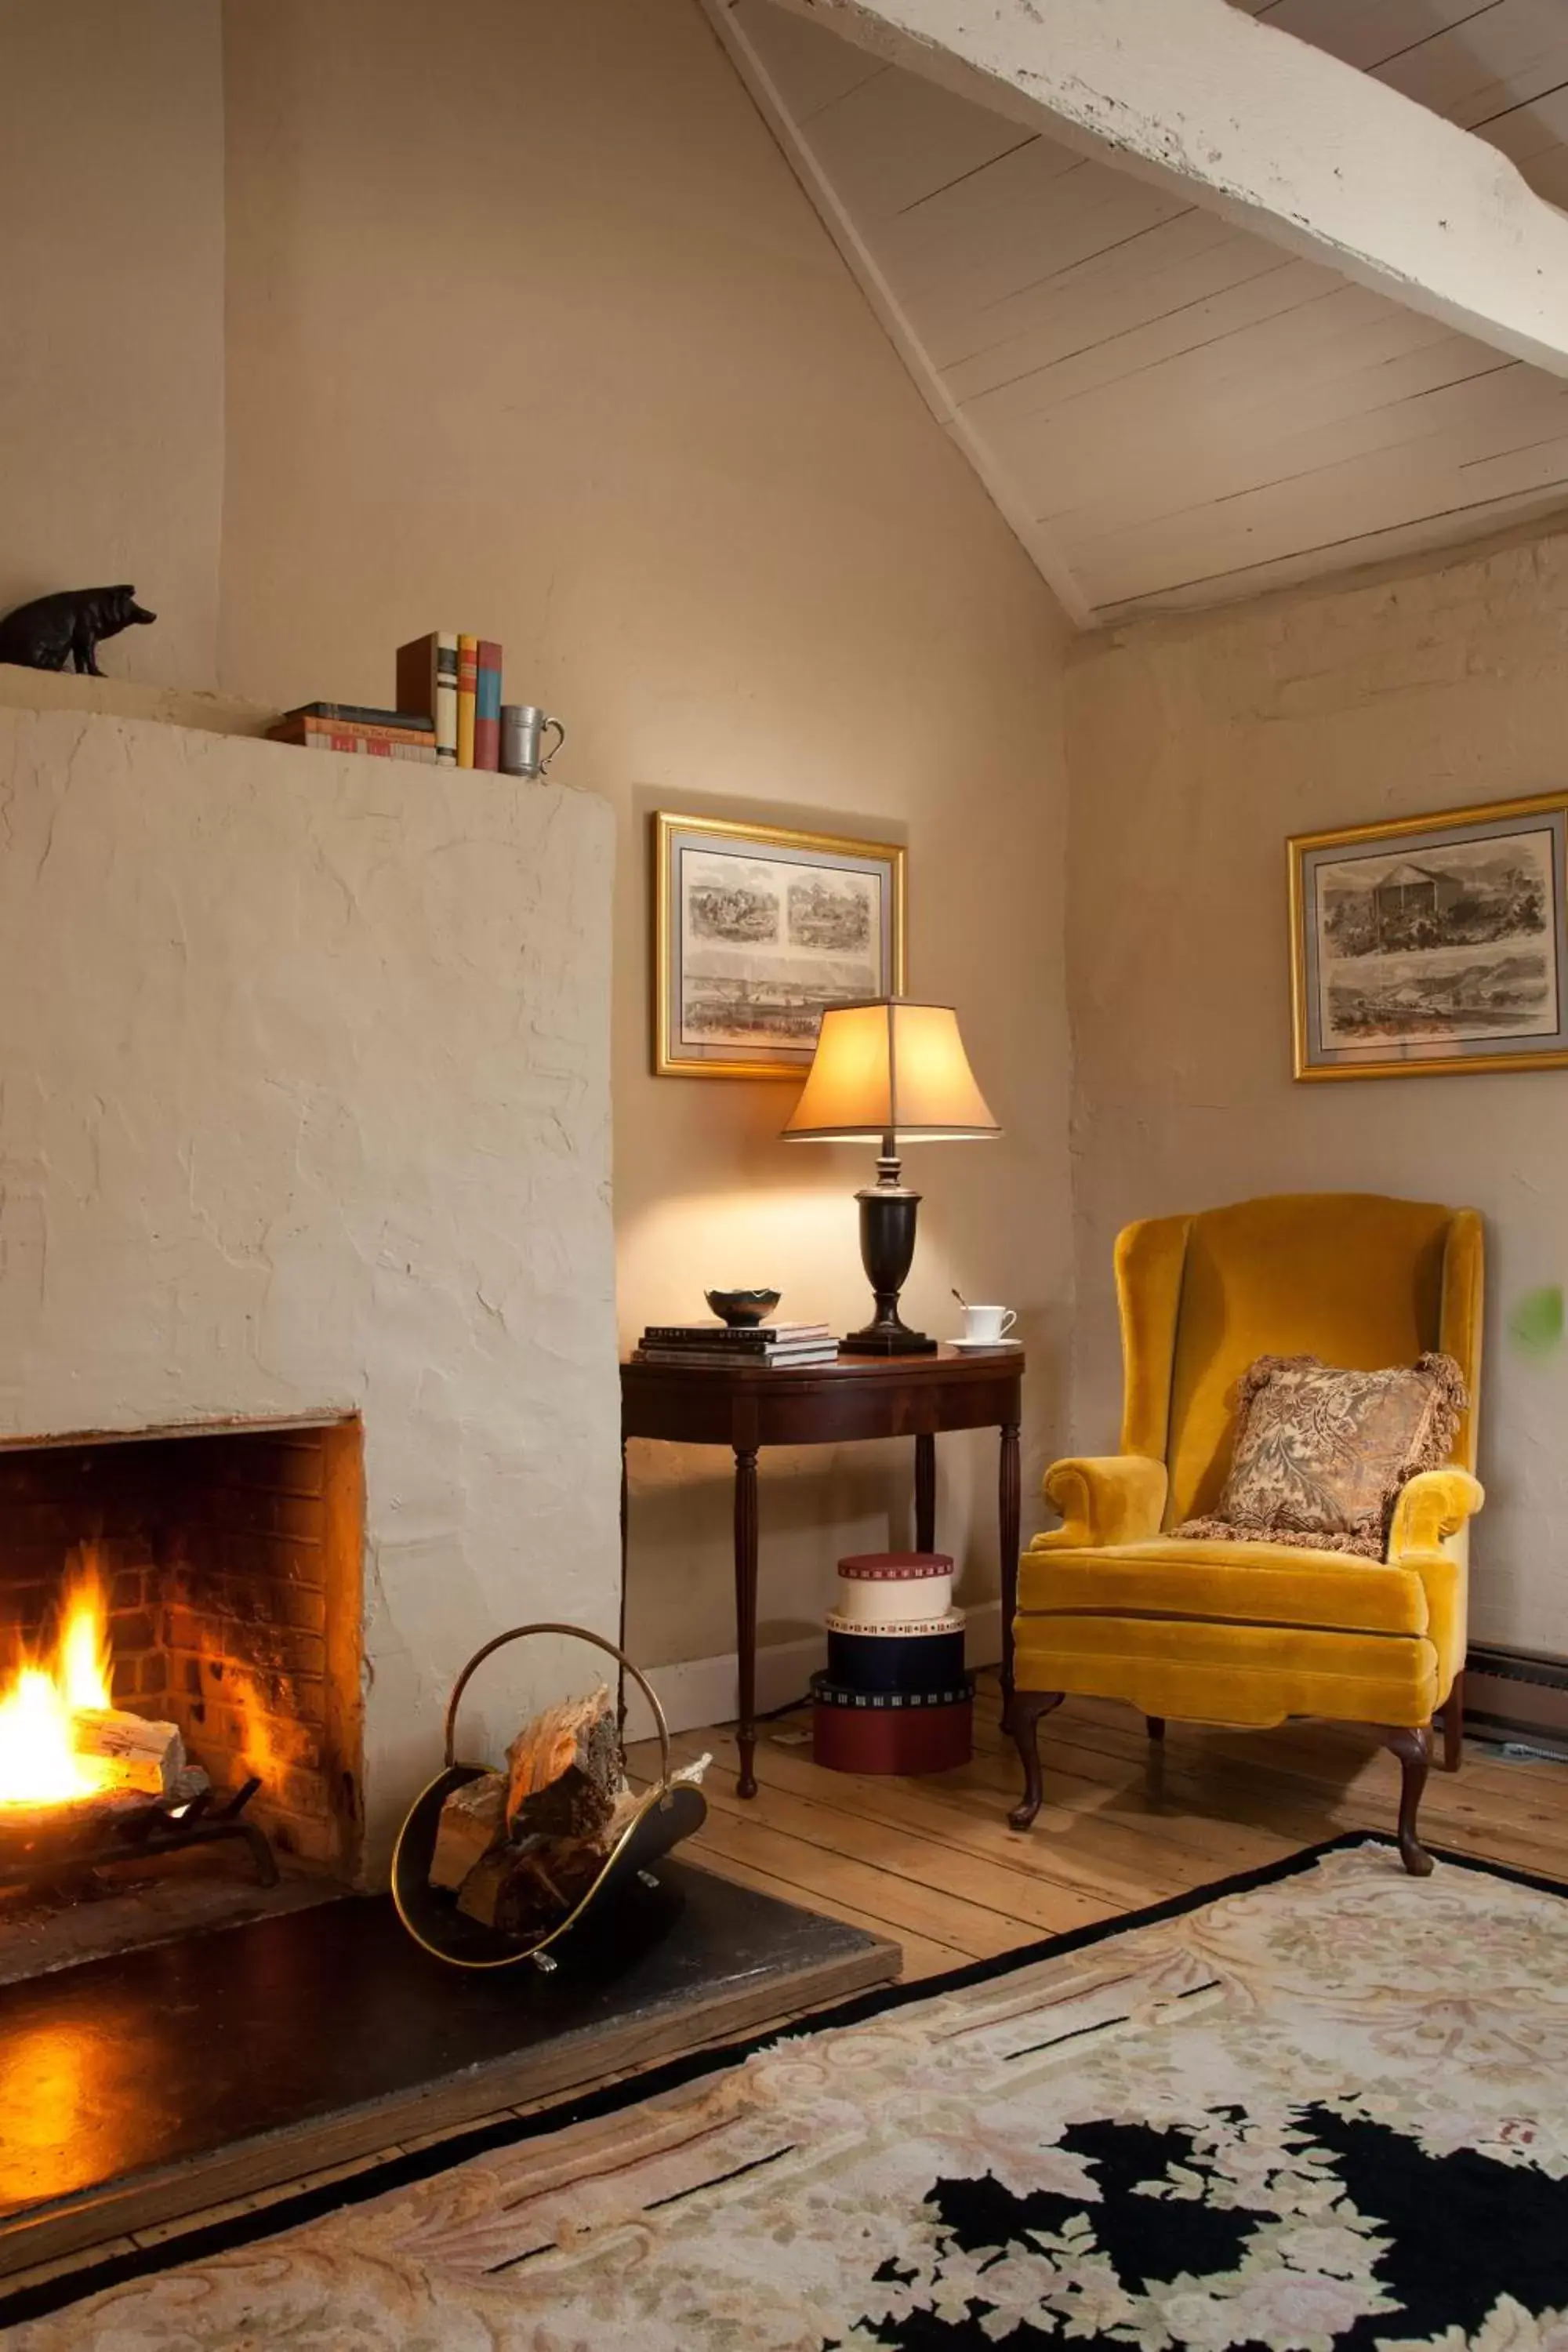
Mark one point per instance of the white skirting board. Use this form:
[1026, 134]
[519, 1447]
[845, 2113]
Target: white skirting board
[701, 1691]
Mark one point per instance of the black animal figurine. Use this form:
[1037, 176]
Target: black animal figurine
[53, 631]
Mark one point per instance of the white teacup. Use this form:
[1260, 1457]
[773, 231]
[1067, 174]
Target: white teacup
[988, 1325]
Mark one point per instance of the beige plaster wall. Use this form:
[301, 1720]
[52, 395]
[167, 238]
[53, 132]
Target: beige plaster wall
[1197, 748]
[539, 336]
[111, 322]
[275, 1140]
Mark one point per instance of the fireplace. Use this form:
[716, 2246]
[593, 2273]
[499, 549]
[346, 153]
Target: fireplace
[305, 1123]
[217, 1575]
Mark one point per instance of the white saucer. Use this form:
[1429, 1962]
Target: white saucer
[984, 1346]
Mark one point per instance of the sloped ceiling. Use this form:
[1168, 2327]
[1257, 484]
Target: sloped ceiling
[1171, 411]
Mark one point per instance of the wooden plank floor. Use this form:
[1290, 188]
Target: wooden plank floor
[933, 1862]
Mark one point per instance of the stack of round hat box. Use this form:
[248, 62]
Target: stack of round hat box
[895, 1697]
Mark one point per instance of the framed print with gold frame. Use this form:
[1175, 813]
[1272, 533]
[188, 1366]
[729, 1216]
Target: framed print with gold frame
[1432, 944]
[756, 930]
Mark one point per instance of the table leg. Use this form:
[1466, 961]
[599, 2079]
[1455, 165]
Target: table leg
[746, 1612]
[925, 1494]
[1009, 1515]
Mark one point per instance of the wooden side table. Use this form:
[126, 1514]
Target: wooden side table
[747, 1407]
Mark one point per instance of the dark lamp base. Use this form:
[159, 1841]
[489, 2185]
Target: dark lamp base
[886, 1251]
[874, 1342]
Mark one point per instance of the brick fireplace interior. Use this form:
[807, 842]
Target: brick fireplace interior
[233, 1562]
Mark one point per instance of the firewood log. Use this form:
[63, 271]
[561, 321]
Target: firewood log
[147, 1756]
[75, 1826]
[566, 1770]
[473, 1819]
[526, 1890]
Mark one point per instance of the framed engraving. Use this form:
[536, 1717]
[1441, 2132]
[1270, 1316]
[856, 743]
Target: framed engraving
[756, 930]
[1434, 943]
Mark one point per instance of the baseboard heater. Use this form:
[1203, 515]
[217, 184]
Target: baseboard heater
[1518, 1695]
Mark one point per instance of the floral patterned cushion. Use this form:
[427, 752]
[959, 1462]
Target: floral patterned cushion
[1320, 1454]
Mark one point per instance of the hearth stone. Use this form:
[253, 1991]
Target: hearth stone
[162, 2082]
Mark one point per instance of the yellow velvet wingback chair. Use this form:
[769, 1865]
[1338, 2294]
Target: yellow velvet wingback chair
[1110, 1605]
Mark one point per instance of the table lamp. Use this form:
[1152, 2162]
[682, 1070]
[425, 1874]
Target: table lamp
[892, 1073]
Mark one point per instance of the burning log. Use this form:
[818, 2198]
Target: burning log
[142, 1755]
[566, 1770]
[76, 1826]
[473, 1820]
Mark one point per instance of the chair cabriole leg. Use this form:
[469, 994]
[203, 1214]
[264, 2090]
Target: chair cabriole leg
[1024, 1720]
[1414, 1750]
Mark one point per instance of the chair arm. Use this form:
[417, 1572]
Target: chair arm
[1433, 1505]
[1104, 1498]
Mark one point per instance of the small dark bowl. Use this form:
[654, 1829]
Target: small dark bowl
[742, 1309]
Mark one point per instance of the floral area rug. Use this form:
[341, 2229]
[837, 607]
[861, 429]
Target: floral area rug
[1318, 2110]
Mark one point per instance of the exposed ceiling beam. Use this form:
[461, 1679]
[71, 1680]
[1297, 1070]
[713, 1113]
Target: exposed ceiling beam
[1200, 98]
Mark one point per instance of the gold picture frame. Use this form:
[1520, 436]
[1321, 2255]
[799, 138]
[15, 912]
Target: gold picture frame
[1425, 945]
[757, 928]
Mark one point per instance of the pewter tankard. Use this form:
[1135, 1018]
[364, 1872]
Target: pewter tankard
[523, 727]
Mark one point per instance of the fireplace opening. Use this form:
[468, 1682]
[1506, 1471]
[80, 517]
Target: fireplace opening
[206, 1586]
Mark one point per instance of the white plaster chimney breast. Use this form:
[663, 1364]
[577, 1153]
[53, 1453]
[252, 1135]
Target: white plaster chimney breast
[304, 1106]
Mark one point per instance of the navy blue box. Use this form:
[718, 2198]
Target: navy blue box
[896, 1661]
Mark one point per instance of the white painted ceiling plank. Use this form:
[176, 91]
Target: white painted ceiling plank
[1024, 176]
[985, 235]
[1400, 542]
[982, 309]
[1478, 70]
[1197, 97]
[1284, 367]
[1302, 332]
[1495, 402]
[1376, 491]
[1543, 463]
[1449, 425]
[1367, 33]
[1148, 277]
[1132, 360]
[1195, 463]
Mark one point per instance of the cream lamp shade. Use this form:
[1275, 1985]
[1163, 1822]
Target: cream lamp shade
[889, 1068]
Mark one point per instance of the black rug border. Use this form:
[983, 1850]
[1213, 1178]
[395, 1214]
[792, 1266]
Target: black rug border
[285, 2213]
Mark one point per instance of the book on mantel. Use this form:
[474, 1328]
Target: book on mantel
[356, 728]
[781, 1345]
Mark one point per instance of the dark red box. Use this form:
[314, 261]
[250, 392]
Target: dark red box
[902, 1739]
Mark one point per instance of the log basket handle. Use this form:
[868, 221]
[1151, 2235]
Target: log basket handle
[575, 1634]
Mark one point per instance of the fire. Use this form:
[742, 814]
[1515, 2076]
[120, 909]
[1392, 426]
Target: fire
[38, 1762]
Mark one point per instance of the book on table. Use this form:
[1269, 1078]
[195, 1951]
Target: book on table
[690, 1358]
[777, 1346]
[748, 1339]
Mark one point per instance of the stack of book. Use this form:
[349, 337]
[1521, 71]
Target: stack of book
[455, 679]
[782, 1347]
[357, 727]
